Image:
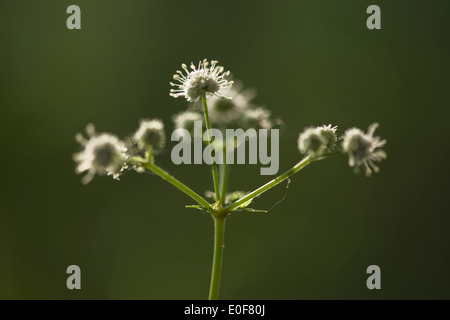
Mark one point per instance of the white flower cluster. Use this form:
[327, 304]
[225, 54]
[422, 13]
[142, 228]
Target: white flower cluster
[239, 110]
[186, 119]
[363, 149]
[201, 80]
[236, 110]
[227, 104]
[315, 141]
[102, 154]
[150, 135]
[105, 153]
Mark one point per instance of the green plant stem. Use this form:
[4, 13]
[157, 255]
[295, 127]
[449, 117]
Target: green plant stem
[178, 184]
[219, 234]
[224, 176]
[214, 165]
[270, 184]
[299, 166]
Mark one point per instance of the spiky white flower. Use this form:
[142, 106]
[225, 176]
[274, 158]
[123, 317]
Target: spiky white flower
[150, 134]
[363, 148]
[103, 153]
[311, 141]
[315, 140]
[201, 80]
[329, 134]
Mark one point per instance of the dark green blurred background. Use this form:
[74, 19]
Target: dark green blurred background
[313, 62]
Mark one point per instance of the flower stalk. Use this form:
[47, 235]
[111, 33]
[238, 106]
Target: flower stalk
[214, 165]
[219, 235]
[176, 183]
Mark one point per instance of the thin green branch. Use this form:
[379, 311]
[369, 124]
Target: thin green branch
[214, 165]
[223, 180]
[299, 166]
[270, 184]
[176, 183]
[224, 175]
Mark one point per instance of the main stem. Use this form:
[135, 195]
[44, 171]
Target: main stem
[214, 165]
[219, 233]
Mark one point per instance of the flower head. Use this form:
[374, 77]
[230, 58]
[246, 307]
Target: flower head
[103, 153]
[311, 142]
[257, 118]
[228, 110]
[363, 148]
[329, 134]
[150, 134]
[201, 80]
[315, 140]
[186, 119]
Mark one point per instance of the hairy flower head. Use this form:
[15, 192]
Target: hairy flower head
[315, 140]
[205, 79]
[150, 134]
[363, 148]
[186, 119]
[231, 109]
[257, 118]
[103, 153]
[311, 142]
[329, 134]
